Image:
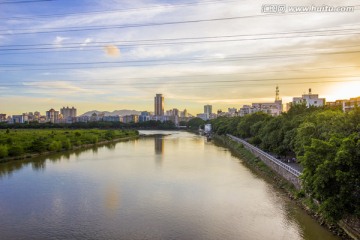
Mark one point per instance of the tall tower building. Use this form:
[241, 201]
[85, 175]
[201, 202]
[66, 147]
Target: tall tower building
[159, 105]
[208, 110]
[52, 115]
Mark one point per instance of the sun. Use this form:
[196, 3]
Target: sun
[343, 90]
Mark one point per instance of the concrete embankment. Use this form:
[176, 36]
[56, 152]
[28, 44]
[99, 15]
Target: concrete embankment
[287, 172]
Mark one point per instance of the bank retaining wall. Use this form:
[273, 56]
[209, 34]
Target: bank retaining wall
[287, 172]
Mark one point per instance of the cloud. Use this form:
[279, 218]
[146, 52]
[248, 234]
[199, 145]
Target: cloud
[59, 40]
[59, 88]
[112, 51]
[86, 42]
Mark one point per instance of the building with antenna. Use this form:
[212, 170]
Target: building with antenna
[309, 100]
[272, 108]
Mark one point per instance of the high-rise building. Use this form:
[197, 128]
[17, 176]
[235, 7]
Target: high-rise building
[208, 110]
[144, 116]
[159, 105]
[2, 117]
[52, 115]
[68, 112]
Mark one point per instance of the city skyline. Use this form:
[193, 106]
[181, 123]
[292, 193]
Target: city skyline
[222, 53]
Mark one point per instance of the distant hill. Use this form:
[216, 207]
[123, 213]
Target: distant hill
[114, 113]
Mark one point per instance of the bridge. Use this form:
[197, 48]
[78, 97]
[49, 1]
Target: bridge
[289, 173]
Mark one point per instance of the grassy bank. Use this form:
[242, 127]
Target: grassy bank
[255, 164]
[19, 144]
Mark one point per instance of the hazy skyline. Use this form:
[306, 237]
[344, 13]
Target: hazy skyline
[108, 55]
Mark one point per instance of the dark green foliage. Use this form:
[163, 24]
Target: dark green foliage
[40, 140]
[15, 151]
[91, 125]
[324, 140]
[55, 146]
[195, 123]
[110, 134]
[38, 145]
[3, 151]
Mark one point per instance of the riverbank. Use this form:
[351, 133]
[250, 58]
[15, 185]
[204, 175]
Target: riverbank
[27, 144]
[256, 165]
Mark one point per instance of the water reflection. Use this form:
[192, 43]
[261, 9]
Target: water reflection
[199, 192]
[112, 199]
[39, 163]
[159, 144]
[38, 166]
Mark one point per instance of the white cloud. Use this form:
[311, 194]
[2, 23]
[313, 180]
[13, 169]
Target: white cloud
[59, 40]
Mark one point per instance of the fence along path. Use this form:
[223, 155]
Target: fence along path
[286, 167]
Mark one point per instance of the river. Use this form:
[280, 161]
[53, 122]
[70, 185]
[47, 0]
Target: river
[176, 186]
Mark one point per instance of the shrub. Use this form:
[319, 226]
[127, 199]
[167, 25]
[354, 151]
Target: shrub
[15, 151]
[67, 144]
[55, 146]
[3, 151]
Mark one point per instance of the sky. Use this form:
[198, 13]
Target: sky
[118, 54]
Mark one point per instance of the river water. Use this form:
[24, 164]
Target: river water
[176, 186]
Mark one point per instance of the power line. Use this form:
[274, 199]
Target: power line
[87, 48]
[29, 1]
[90, 28]
[216, 75]
[170, 85]
[76, 14]
[215, 81]
[149, 41]
[164, 62]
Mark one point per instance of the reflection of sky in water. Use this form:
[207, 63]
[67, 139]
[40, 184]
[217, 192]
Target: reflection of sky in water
[193, 190]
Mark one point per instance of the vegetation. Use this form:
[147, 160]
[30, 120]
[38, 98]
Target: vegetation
[90, 125]
[195, 123]
[17, 142]
[326, 142]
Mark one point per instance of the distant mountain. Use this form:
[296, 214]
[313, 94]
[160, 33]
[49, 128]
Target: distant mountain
[114, 113]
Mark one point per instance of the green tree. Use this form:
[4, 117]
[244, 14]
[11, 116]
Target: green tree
[331, 175]
[195, 123]
[246, 122]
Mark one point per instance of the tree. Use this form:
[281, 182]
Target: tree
[331, 175]
[195, 123]
[244, 126]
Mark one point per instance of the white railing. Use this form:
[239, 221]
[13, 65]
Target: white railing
[268, 156]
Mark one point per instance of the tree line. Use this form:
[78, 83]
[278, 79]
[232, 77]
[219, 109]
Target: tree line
[19, 142]
[90, 125]
[325, 141]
